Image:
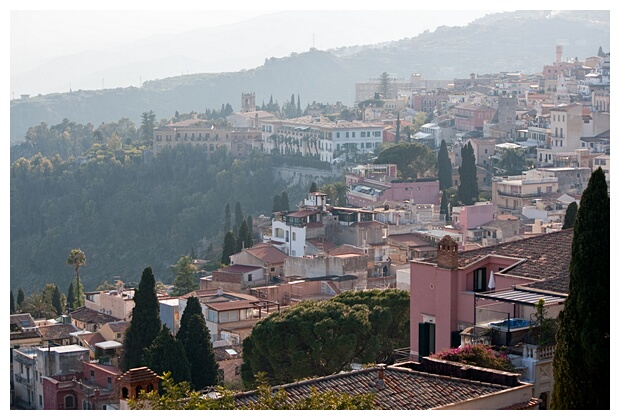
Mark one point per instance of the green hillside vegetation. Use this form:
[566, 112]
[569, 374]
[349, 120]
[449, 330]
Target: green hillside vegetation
[126, 209]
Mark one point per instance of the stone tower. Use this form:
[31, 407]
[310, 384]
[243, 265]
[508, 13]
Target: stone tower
[248, 102]
[558, 53]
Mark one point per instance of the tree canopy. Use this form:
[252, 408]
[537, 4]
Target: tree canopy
[185, 276]
[166, 354]
[324, 337]
[582, 357]
[413, 160]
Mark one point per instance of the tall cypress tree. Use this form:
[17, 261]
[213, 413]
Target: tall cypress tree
[70, 297]
[12, 303]
[56, 300]
[467, 192]
[227, 218]
[313, 187]
[244, 239]
[229, 247]
[145, 322]
[199, 351]
[581, 363]
[444, 205]
[192, 307]
[570, 216]
[166, 354]
[20, 297]
[444, 167]
[238, 218]
[284, 204]
[397, 127]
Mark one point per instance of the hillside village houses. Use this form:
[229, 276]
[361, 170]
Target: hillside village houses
[472, 278]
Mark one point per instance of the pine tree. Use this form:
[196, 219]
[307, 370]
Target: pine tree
[230, 244]
[166, 354]
[467, 192]
[185, 276]
[199, 351]
[444, 167]
[581, 363]
[12, 303]
[145, 322]
[570, 216]
[20, 297]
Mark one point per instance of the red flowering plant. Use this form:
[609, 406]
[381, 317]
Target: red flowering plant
[481, 355]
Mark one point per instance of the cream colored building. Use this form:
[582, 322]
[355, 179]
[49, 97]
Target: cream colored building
[511, 193]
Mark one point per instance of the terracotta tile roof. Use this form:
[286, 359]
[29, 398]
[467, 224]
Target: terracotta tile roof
[238, 268]
[24, 320]
[545, 258]
[322, 244]
[118, 326]
[220, 353]
[91, 316]
[408, 239]
[57, 331]
[267, 253]
[346, 250]
[402, 388]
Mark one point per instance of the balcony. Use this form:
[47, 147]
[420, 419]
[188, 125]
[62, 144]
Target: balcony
[519, 195]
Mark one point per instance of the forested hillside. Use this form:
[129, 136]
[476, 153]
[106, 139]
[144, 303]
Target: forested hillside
[127, 211]
[510, 41]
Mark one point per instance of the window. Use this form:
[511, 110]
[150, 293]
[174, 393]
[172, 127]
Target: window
[337, 135]
[346, 134]
[249, 277]
[353, 134]
[294, 236]
[480, 279]
[212, 315]
[69, 401]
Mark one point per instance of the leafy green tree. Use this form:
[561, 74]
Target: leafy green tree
[39, 306]
[512, 162]
[444, 167]
[309, 339]
[199, 351]
[166, 354]
[582, 357]
[12, 303]
[570, 216]
[70, 297]
[20, 297]
[229, 248]
[179, 396]
[185, 276]
[145, 322]
[106, 285]
[467, 192]
[77, 259]
[385, 85]
[411, 159]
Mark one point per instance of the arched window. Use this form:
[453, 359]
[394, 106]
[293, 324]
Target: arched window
[69, 401]
[125, 392]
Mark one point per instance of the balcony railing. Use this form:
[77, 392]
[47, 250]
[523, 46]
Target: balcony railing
[519, 195]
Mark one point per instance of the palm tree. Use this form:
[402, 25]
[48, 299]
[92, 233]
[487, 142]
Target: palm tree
[38, 306]
[77, 258]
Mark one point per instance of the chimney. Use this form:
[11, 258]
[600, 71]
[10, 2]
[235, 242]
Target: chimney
[447, 253]
[381, 371]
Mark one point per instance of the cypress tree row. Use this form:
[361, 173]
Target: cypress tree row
[581, 363]
[145, 323]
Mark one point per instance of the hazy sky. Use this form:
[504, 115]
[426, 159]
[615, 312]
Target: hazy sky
[37, 35]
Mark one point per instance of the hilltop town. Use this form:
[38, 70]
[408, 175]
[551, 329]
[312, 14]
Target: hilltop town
[475, 228]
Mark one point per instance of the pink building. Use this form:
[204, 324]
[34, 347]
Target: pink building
[365, 192]
[465, 218]
[452, 292]
[471, 117]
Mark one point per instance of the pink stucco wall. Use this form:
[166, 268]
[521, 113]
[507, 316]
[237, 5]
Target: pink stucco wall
[448, 297]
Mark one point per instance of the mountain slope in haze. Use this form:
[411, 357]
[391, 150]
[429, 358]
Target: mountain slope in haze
[510, 41]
